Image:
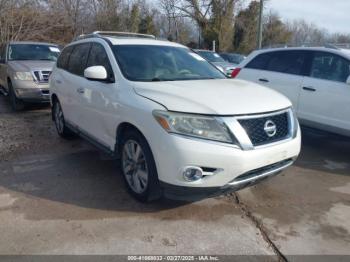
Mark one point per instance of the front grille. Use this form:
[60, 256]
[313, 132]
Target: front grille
[256, 128]
[42, 76]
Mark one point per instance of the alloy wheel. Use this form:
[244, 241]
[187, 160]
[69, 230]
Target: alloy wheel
[135, 166]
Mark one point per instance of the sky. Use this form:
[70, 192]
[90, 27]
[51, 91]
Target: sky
[333, 15]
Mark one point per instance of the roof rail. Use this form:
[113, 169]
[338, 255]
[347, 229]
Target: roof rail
[115, 34]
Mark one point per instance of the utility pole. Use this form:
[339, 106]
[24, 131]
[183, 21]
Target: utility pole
[260, 25]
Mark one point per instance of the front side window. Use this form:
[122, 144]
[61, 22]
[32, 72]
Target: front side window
[99, 57]
[163, 63]
[330, 67]
[33, 52]
[78, 59]
[62, 61]
[211, 56]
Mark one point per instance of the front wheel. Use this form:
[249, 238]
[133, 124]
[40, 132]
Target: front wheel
[138, 167]
[16, 104]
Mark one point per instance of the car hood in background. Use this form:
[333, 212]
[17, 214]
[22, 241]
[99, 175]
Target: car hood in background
[216, 97]
[30, 65]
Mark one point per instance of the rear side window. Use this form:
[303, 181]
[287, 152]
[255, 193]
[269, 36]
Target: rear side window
[78, 59]
[63, 59]
[288, 62]
[99, 57]
[259, 62]
[329, 66]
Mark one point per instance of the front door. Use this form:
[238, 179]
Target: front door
[325, 96]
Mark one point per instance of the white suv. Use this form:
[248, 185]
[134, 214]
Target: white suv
[180, 128]
[316, 80]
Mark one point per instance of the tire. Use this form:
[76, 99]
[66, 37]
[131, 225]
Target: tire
[16, 104]
[60, 124]
[139, 168]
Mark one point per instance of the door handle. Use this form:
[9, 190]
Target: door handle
[264, 80]
[311, 89]
[58, 82]
[81, 90]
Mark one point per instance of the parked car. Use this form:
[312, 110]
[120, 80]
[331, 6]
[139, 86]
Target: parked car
[232, 58]
[217, 60]
[25, 68]
[316, 80]
[180, 128]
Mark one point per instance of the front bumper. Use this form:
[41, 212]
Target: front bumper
[29, 91]
[248, 179]
[224, 164]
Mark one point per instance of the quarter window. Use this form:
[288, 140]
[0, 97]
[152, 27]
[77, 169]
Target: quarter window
[330, 67]
[99, 57]
[78, 59]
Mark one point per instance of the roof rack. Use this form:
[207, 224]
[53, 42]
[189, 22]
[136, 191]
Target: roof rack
[115, 34]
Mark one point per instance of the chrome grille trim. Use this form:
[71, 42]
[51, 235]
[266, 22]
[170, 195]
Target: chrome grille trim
[242, 136]
[41, 76]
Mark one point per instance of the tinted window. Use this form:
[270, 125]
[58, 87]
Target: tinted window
[163, 63]
[330, 67]
[99, 57]
[289, 62]
[63, 59]
[259, 62]
[78, 59]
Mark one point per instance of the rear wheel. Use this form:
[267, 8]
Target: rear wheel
[58, 117]
[16, 104]
[138, 167]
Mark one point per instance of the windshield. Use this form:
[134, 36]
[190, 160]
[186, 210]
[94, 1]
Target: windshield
[211, 56]
[163, 63]
[33, 52]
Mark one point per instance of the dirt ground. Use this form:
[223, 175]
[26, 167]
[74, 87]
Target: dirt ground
[65, 197]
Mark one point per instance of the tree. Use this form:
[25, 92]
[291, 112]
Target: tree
[275, 31]
[246, 28]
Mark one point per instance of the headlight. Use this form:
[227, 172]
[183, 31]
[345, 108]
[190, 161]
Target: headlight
[204, 127]
[24, 76]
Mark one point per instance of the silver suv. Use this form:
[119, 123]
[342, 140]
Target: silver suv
[25, 68]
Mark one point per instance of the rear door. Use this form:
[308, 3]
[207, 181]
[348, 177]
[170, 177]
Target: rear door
[325, 97]
[280, 70]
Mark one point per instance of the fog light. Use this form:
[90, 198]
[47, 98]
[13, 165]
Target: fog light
[192, 174]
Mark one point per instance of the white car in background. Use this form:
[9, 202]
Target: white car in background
[316, 80]
[180, 127]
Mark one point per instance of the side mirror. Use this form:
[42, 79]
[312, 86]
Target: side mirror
[348, 80]
[96, 73]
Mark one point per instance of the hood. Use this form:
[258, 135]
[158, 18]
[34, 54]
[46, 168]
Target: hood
[213, 97]
[225, 65]
[30, 65]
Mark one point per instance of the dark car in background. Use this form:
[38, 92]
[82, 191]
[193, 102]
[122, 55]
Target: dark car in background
[232, 57]
[217, 61]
